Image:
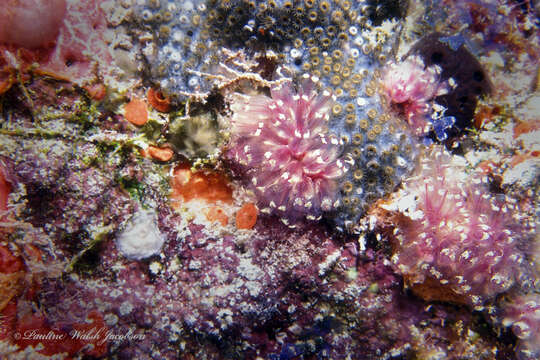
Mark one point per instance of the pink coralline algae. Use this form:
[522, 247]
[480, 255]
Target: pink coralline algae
[280, 142]
[30, 23]
[64, 39]
[523, 315]
[80, 46]
[411, 88]
[455, 242]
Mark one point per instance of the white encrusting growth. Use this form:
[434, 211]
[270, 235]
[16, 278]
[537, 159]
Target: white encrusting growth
[141, 238]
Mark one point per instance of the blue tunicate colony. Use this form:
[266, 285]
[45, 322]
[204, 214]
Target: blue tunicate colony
[332, 41]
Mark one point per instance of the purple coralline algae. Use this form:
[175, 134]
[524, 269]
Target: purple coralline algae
[309, 122]
[454, 240]
[303, 296]
[280, 142]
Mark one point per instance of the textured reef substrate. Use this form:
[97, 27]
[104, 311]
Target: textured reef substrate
[283, 179]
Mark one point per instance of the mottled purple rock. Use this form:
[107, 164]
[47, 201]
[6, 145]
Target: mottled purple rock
[272, 293]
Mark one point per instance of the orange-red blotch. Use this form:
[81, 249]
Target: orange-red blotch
[246, 217]
[526, 127]
[158, 101]
[96, 91]
[8, 320]
[11, 276]
[205, 185]
[216, 213]
[7, 78]
[485, 114]
[487, 166]
[9, 263]
[159, 153]
[518, 159]
[94, 322]
[136, 112]
[71, 343]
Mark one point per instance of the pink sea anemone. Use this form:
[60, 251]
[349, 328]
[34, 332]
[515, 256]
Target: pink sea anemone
[410, 88]
[455, 241]
[281, 144]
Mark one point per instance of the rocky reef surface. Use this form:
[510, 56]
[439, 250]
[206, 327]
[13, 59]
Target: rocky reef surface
[282, 179]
